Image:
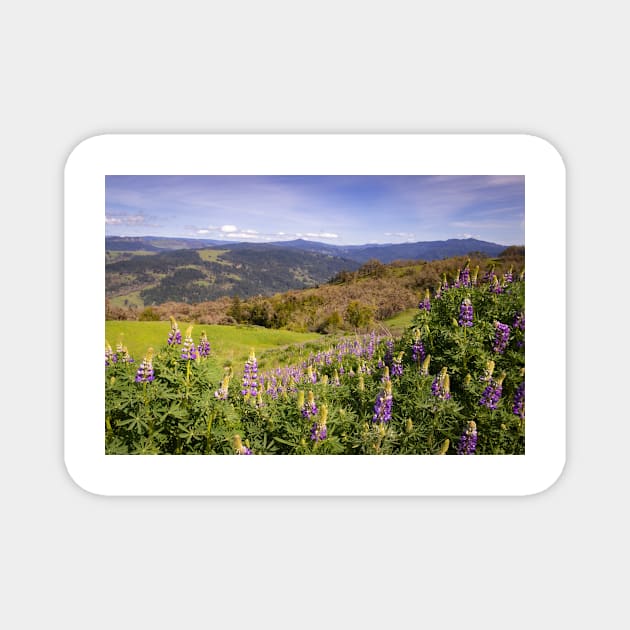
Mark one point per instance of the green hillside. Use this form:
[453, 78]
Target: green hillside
[229, 344]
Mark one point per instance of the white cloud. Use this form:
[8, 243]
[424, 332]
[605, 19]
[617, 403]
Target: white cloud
[125, 219]
[401, 234]
[228, 228]
[320, 235]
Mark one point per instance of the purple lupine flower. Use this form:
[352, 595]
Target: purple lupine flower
[110, 356]
[122, 354]
[468, 441]
[145, 373]
[389, 352]
[425, 303]
[508, 276]
[466, 313]
[496, 287]
[417, 351]
[175, 335]
[309, 409]
[222, 392]
[371, 345]
[383, 405]
[518, 409]
[501, 337]
[397, 368]
[250, 376]
[319, 430]
[464, 276]
[519, 321]
[440, 387]
[492, 393]
[189, 350]
[204, 345]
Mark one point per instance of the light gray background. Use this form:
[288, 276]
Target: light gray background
[74, 69]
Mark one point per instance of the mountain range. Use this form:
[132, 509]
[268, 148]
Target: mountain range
[385, 252]
[148, 270]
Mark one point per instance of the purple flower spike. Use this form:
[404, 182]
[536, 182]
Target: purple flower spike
[518, 409]
[440, 387]
[466, 313]
[468, 441]
[250, 376]
[175, 335]
[383, 405]
[501, 337]
[204, 345]
[492, 393]
[189, 350]
[145, 372]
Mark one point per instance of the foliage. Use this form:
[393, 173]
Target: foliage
[452, 383]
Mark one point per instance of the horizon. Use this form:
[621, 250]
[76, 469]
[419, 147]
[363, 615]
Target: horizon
[332, 210]
[306, 240]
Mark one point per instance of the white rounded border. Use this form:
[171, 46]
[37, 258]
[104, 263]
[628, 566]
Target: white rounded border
[312, 154]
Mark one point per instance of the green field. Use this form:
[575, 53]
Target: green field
[397, 324]
[229, 344]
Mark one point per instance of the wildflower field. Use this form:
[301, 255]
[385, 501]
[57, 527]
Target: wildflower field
[453, 383]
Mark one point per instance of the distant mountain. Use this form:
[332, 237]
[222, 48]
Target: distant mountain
[387, 252]
[154, 243]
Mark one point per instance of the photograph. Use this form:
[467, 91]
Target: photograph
[314, 314]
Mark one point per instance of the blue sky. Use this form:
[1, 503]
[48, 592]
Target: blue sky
[336, 209]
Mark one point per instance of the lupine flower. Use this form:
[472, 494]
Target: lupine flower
[519, 321]
[239, 447]
[175, 335]
[319, 431]
[473, 278]
[466, 313]
[204, 345]
[501, 337]
[110, 356]
[487, 277]
[492, 393]
[389, 352]
[397, 368]
[145, 372]
[425, 303]
[385, 378]
[487, 374]
[122, 353]
[311, 375]
[383, 405]
[417, 348]
[518, 408]
[250, 376]
[463, 277]
[310, 407]
[441, 385]
[222, 392]
[468, 441]
[496, 287]
[424, 370]
[507, 276]
[189, 350]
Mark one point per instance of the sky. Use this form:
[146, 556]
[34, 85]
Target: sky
[335, 209]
